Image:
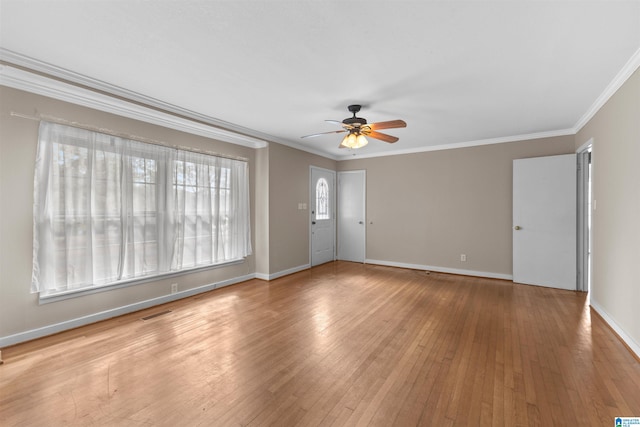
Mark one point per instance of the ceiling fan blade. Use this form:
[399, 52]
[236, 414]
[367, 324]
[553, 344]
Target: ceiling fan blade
[388, 125]
[381, 136]
[322, 133]
[345, 126]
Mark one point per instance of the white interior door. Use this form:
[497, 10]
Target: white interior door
[323, 219]
[351, 215]
[544, 221]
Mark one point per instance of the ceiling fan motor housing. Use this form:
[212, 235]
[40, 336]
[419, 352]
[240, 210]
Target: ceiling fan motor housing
[354, 121]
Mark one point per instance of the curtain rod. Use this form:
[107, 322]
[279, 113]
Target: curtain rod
[61, 121]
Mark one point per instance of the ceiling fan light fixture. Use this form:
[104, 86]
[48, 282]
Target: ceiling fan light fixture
[354, 140]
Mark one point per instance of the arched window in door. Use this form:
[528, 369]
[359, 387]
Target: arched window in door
[322, 199]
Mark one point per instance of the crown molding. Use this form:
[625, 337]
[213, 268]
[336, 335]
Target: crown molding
[629, 68]
[467, 144]
[55, 87]
[310, 150]
[22, 72]
[76, 93]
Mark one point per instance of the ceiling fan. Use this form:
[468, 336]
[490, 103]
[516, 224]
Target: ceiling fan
[358, 128]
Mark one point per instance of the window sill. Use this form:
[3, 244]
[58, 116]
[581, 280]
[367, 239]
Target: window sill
[64, 295]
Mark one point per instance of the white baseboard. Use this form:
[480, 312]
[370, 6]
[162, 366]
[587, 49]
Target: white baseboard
[441, 269]
[262, 276]
[266, 276]
[107, 314]
[634, 346]
[118, 311]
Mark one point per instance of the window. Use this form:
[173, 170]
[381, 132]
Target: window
[109, 210]
[322, 199]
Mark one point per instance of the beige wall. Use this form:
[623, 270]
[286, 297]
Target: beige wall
[288, 186]
[19, 309]
[429, 208]
[615, 129]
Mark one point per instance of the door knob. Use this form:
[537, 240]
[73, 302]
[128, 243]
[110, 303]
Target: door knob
[517, 227]
[360, 222]
[313, 222]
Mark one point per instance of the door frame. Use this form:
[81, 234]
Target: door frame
[583, 210]
[332, 198]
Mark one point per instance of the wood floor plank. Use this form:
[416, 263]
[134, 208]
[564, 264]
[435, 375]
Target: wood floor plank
[340, 344]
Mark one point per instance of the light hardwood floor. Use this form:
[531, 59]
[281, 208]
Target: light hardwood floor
[340, 344]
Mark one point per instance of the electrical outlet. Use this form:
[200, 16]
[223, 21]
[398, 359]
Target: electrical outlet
[463, 257]
[174, 288]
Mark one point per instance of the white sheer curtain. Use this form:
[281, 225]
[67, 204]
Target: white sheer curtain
[212, 200]
[109, 209]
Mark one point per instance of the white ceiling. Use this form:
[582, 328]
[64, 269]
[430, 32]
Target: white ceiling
[457, 72]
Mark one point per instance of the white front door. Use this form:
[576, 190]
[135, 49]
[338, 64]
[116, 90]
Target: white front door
[351, 215]
[544, 221]
[323, 222]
